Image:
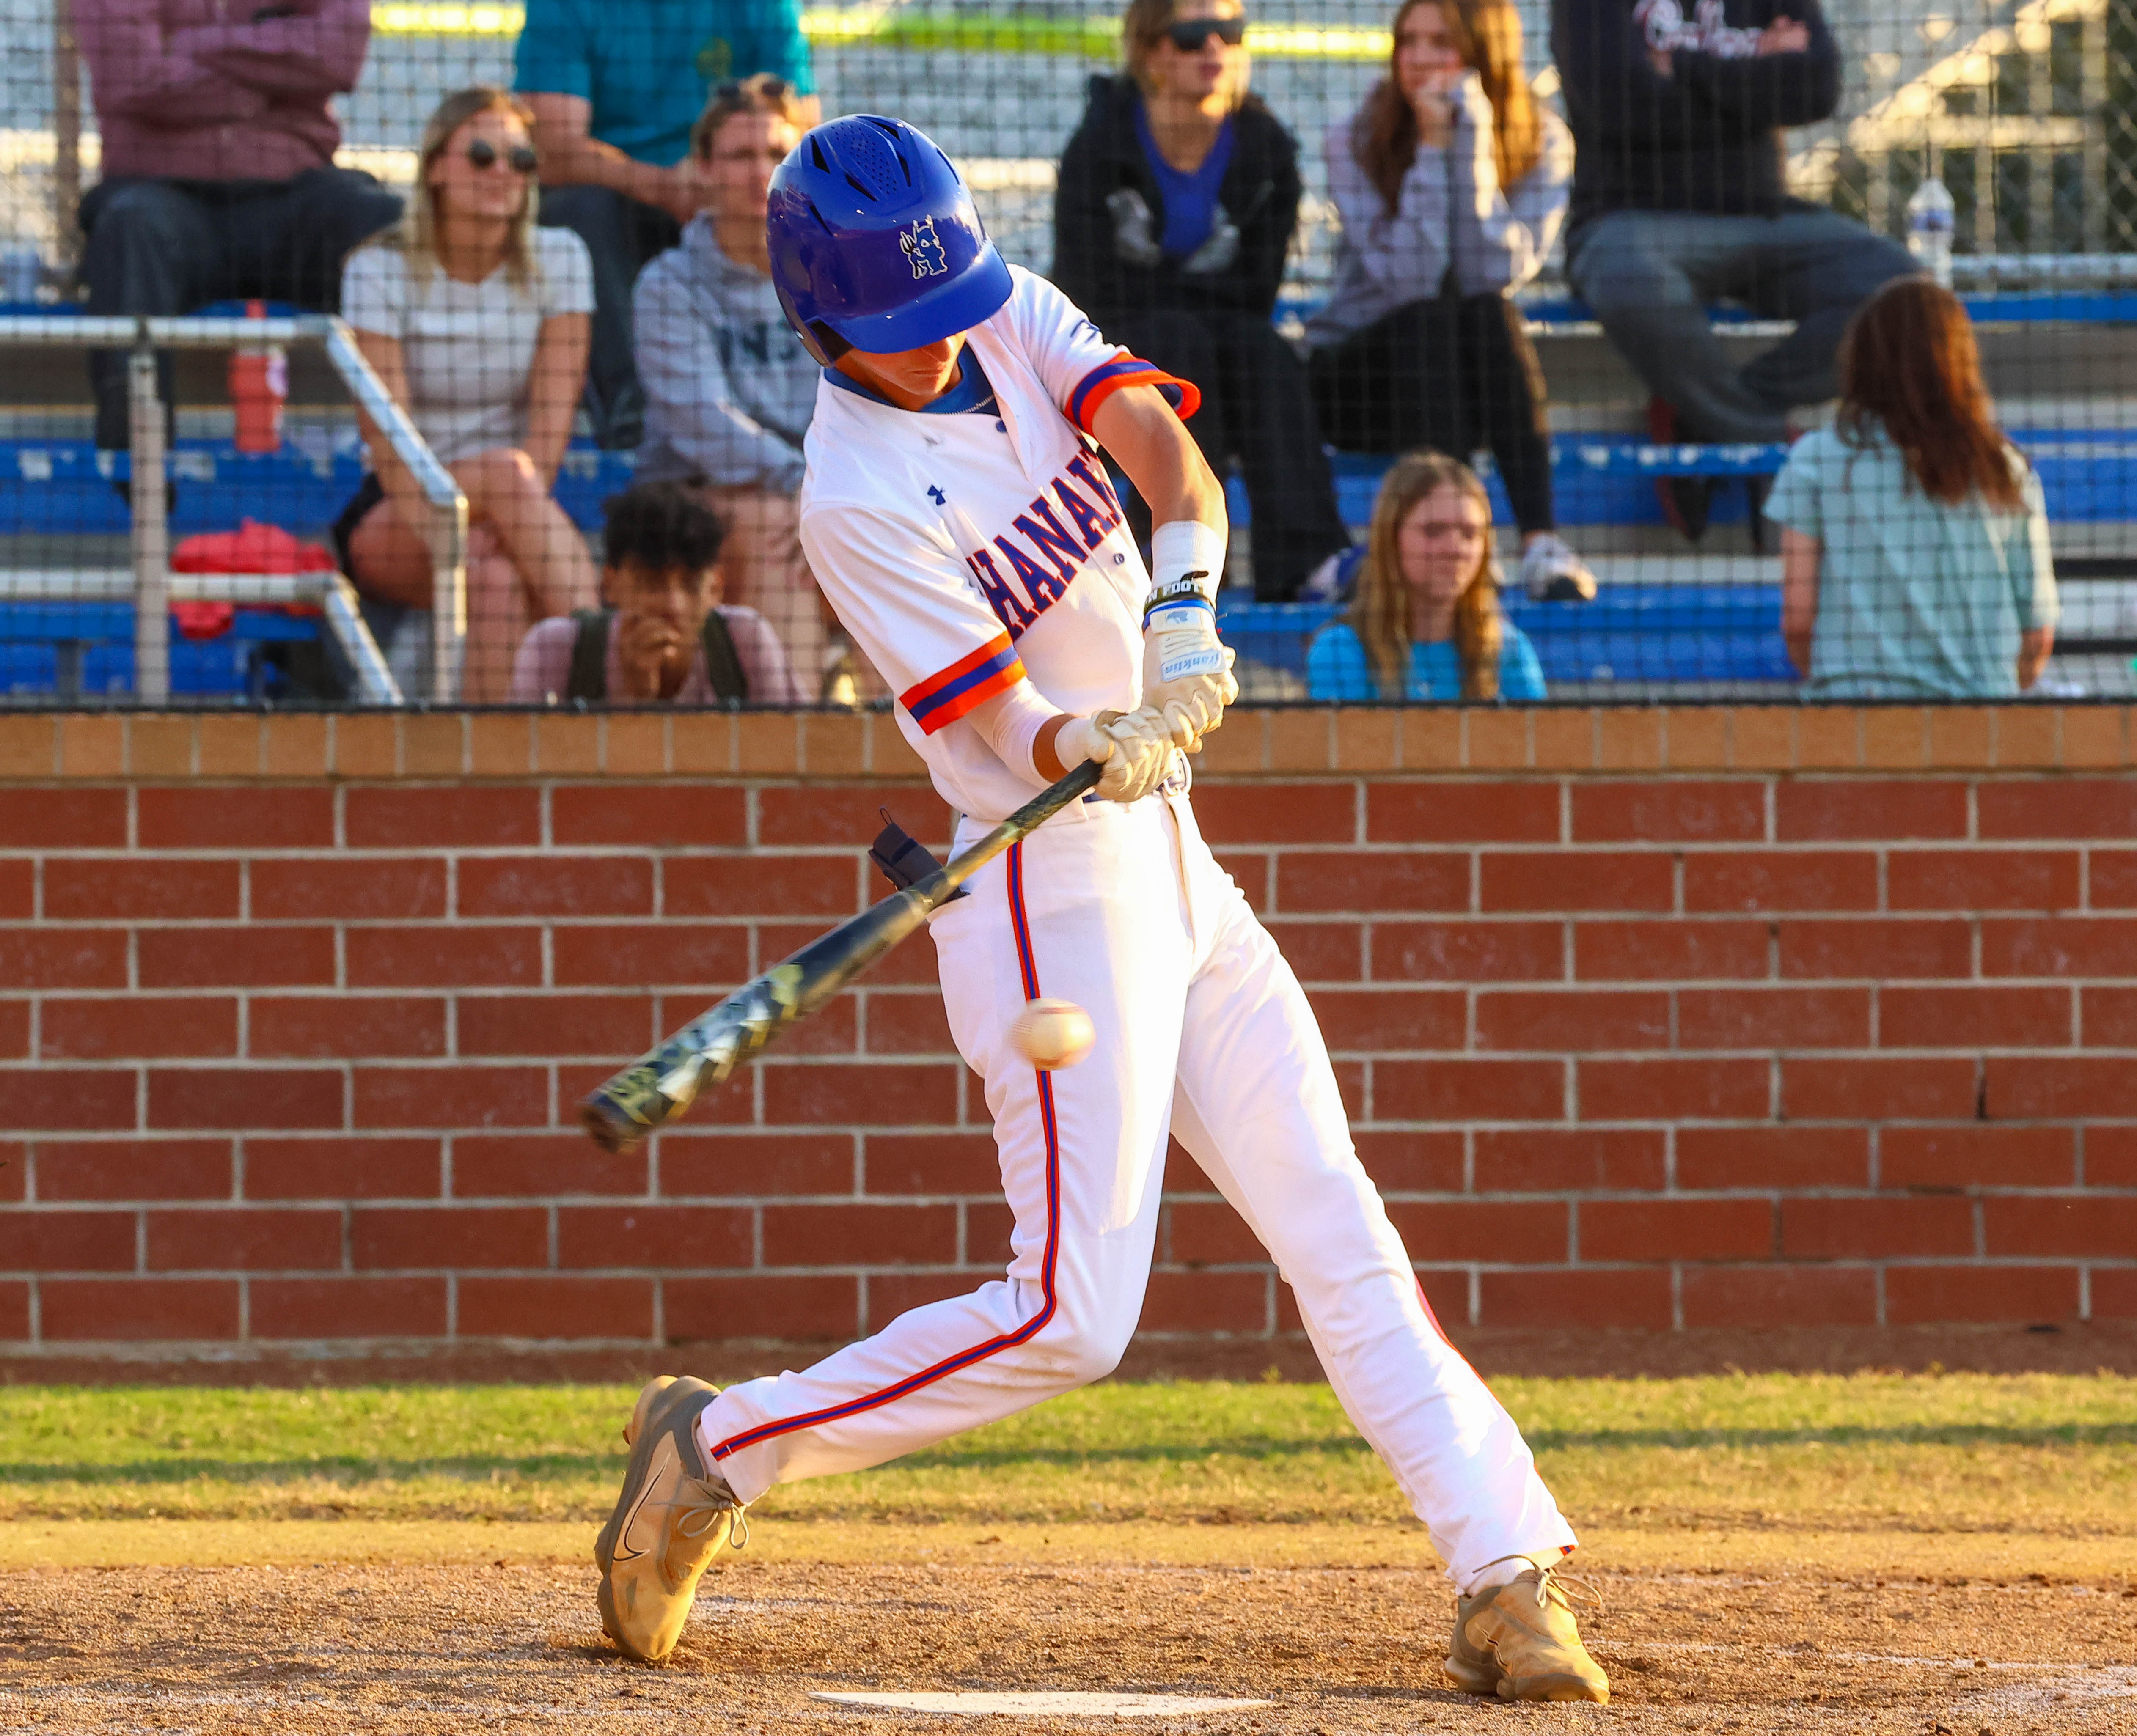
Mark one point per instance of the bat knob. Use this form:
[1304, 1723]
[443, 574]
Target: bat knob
[608, 1126]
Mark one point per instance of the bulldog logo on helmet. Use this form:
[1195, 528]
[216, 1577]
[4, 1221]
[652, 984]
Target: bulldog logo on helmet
[922, 250]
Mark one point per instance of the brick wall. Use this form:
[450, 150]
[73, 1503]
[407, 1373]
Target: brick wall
[1646, 1020]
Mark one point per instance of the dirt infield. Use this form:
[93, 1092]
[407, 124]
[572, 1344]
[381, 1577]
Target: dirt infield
[429, 1649]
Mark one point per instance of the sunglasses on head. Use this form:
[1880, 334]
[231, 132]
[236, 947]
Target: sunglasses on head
[522, 159]
[1188, 36]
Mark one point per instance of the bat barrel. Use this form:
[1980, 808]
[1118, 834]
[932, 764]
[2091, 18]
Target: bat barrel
[607, 1125]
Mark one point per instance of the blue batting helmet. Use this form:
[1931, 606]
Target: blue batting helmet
[874, 242]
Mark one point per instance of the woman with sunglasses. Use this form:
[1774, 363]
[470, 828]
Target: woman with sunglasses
[477, 322]
[1174, 210]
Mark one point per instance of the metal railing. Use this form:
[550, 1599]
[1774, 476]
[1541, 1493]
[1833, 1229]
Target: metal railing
[153, 585]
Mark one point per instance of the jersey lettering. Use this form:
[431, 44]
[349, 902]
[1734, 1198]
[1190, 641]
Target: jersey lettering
[996, 589]
[1046, 589]
[1098, 483]
[1047, 536]
[1088, 519]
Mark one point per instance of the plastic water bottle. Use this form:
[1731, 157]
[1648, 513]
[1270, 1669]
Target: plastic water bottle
[259, 387]
[1928, 229]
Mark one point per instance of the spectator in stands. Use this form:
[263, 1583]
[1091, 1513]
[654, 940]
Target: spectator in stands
[476, 321]
[1425, 624]
[665, 637]
[1679, 198]
[218, 140]
[615, 86]
[1914, 535]
[730, 389]
[1175, 206]
[1450, 180]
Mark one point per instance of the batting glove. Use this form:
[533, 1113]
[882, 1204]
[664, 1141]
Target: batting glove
[1186, 670]
[1134, 749]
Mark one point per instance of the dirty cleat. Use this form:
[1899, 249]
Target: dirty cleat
[1519, 1640]
[674, 1513]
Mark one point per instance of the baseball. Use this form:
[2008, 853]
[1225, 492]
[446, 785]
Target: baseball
[1053, 1033]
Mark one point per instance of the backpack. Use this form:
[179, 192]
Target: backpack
[588, 680]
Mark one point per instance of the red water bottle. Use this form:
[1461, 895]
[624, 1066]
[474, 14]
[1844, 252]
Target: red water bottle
[259, 386]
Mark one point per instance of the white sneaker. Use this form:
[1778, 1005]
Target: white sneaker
[1552, 573]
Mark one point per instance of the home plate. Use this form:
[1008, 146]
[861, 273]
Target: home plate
[1051, 1703]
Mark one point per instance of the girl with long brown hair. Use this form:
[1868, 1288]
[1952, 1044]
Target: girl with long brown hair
[1915, 538]
[1450, 181]
[1425, 624]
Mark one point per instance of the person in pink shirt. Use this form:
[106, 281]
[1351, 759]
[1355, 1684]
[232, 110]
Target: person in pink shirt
[219, 138]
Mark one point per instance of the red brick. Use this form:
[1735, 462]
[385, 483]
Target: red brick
[1394, 1018]
[130, 1170]
[69, 1100]
[892, 1293]
[127, 1311]
[2109, 1017]
[14, 1030]
[1774, 880]
[762, 1304]
[14, 1172]
[1868, 809]
[1446, 1299]
[357, 889]
[1469, 952]
[875, 1234]
[39, 1241]
[1677, 1229]
[555, 886]
[656, 1235]
[1836, 1089]
[344, 1027]
[1232, 813]
[1668, 810]
[2113, 880]
[1400, 1161]
[245, 1239]
[245, 1098]
[18, 891]
[443, 957]
[1773, 1018]
[63, 820]
[1469, 1091]
[900, 1022]
[2073, 1088]
[1668, 952]
[457, 816]
[1503, 1232]
[606, 1025]
[60, 958]
[2110, 1157]
[1919, 1294]
[761, 885]
[1436, 812]
[750, 1164]
[1715, 1158]
[1779, 1295]
[1571, 1159]
[531, 1165]
[1877, 1228]
[482, 1095]
[1251, 872]
[1568, 1021]
[2103, 1225]
[135, 1026]
[1879, 948]
[990, 1234]
[2058, 807]
[556, 1308]
[328, 1308]
[903, 1162]
[1971, 880]
[1973, 1156]
[1595, 1299]
[236, 958]
[864, 1094]
[1658, 1091]
[234, 817]
[653, 956]
[812, 814]
[617, 815]
[1909, 1019]
[2058, 946]
[1556, 880]
[1209, 1233]
[1323, 952]
[2113, 1293]
[15, 1311]
[343, 1167]
[1369, 882]
[138, 888]
[1206, 1301]
[396, 1237]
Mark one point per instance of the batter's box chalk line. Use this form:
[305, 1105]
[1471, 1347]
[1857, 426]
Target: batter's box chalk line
[1045, 1703]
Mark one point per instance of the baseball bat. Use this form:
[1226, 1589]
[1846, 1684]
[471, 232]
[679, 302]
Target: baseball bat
[664, 1082]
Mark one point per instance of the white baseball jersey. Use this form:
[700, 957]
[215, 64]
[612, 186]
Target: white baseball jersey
[978, 543]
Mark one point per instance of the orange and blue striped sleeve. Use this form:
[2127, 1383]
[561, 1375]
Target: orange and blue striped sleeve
[1108, 378]
[970, 681]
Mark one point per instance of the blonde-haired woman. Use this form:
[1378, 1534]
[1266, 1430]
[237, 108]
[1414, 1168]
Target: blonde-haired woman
[477, 322]
[1426, 623]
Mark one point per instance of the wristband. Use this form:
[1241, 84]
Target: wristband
[1187, 562]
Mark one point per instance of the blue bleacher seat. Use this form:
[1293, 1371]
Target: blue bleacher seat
[32, 636]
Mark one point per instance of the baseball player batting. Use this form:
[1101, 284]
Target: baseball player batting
[964, 528]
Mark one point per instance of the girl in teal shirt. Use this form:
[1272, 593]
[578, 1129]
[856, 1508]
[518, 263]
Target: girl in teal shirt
[1426, 624]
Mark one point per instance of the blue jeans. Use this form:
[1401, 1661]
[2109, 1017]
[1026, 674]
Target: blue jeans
[1649, 276]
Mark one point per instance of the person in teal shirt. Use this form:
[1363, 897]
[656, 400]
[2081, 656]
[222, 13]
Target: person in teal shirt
[1426, 624]
[615, 86]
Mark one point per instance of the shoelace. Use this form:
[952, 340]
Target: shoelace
[1554, 1582]
[698, 1516]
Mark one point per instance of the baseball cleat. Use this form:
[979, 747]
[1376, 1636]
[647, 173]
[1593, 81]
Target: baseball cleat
[1519, 1641]
[674, 1513]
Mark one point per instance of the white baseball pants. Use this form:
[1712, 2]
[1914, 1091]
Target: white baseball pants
[1203, 1029]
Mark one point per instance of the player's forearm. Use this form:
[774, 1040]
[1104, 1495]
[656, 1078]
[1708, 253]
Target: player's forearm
[1138, 428]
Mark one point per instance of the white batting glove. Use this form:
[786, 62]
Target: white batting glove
[1134, 749]
[1186, 670]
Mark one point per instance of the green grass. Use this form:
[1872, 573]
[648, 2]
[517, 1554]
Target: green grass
[2033, 1453]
